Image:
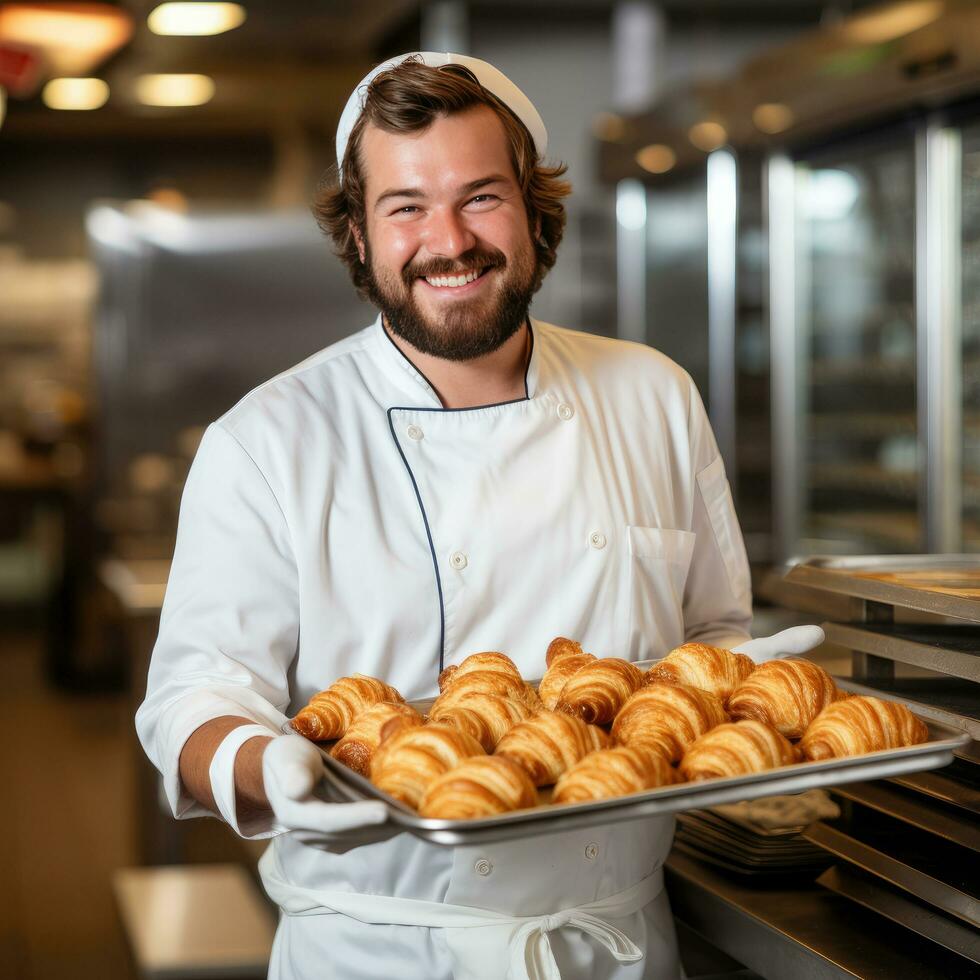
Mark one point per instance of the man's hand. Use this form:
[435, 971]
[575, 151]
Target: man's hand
[789, 643]
[292, 767]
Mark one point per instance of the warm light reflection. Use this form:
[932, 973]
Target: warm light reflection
[73, 38]
[708, 135]
[174, 90]
[656, 158]
[772, 117]
[3, 103]
[195, 18]
[894, 21]
[75, 93]
[609, 127]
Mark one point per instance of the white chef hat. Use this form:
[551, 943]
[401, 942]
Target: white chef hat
[494, 81]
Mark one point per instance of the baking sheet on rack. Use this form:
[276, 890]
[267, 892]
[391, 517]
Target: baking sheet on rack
[546, 819]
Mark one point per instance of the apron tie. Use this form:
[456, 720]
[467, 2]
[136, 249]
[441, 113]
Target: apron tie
[481, 939]
[531, 955]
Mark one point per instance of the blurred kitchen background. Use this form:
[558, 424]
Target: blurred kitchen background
[782, 195]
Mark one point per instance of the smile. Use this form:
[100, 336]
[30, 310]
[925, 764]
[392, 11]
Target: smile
[458, 281]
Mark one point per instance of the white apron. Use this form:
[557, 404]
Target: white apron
[340, 520]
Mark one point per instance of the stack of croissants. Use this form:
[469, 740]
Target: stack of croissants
[595, 727]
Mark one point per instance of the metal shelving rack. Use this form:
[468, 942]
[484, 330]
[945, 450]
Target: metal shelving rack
[903, 848]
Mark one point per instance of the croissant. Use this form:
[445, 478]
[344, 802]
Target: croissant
[613, 772]
[597, 691]
[559, 671]
[478, 661]
[787, 694]
[706, 667]
[331, 712]
[487, 717]
[362, 739]
[497, 682]
[737, 749]
[667, 716]
[861, 724]
[479, 787]
[560, 647]
[547, 744]
[406, 763]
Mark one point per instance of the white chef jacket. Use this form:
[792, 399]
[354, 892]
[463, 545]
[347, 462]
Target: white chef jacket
[338, 520]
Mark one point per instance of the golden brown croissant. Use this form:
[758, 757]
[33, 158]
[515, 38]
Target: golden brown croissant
[706, 667]
[497, 682]
[787, 694]
[670, 716]
[861, 724]
[362, 739]
[613, 772]
[405, 764]
[597, 691]
[490, 660]
[487, 717]
[479, 787]
[331, 712]
[737, 749]
[558, 673]
[547, 744]
[560, 647]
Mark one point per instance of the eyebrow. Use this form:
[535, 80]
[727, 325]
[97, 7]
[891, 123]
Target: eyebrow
[413, 193]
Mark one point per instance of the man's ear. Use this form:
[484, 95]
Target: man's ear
[537, 228]
[358, 239]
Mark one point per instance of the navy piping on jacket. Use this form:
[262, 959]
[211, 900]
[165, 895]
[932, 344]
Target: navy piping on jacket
[415, 486]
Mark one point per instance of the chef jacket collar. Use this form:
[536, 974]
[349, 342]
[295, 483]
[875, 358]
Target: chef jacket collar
[411, 380]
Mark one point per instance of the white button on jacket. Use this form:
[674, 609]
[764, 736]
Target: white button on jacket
[313, 537]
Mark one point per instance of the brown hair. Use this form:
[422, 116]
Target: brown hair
[407, 99]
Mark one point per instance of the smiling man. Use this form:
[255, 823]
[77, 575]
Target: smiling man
[456, 477]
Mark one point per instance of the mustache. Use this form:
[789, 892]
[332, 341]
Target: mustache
[476, 258]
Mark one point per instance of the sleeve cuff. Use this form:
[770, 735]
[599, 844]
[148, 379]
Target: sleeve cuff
[222, 776]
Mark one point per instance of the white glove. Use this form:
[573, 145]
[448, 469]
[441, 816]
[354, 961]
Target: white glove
[292, 769]
[788, 643]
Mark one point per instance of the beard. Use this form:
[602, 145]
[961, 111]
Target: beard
[468, 328]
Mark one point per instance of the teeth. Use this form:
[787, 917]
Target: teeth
[460, 280]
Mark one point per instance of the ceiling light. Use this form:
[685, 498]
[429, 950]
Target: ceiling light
[195, 18]
[708, 135]
[772, 117]
[894, 21]
[75, 93]
[174, 90]
[609, 127]
[74, 38]
[656, 158]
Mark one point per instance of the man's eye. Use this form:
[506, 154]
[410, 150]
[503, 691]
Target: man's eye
[483, 198]
[408, 209]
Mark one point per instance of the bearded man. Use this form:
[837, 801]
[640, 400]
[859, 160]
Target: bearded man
[459, 476]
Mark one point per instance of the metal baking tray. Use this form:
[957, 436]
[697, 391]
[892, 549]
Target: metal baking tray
[948, 585]
[344, 785]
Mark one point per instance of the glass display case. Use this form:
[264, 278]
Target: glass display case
[859, 458]
[970, 325]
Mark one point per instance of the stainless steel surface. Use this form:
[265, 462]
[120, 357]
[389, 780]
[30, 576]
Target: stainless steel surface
[631, 261]
[938, 165]
[841, 574]
[941, 787]
[916, 812]
[939, 894]
[937, 752]
[908, 645]
[866, 891]
[785, 398]
[800, 932]
[722, 198]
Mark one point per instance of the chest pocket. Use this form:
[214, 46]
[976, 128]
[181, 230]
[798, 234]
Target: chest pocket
[659, 559]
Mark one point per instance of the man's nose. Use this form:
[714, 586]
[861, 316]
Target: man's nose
[447, 234]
